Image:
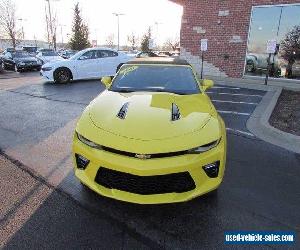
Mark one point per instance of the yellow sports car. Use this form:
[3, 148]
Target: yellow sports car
[153, 136]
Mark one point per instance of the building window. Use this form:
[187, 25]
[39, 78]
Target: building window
[280, 23]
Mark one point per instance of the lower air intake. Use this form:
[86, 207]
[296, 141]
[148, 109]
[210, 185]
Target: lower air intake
[145, 185]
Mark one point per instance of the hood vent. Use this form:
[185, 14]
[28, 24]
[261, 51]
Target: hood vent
[123, 111]
[175, 112]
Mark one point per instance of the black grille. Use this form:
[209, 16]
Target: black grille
[145, 185]
[152, 156]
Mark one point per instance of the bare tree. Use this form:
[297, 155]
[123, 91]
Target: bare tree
[51, 26]
[110, 40]
[8, 21]
[290, 48]
[172, 43]
[132, 40]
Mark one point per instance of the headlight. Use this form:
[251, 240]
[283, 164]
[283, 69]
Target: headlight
[88, 142]
[47, 68]
[205, 147]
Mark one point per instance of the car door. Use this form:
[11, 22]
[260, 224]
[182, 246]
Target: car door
[8, 60]
[86, 65]
[107, 62]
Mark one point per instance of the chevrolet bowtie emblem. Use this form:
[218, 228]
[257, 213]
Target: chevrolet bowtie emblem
[142, 157]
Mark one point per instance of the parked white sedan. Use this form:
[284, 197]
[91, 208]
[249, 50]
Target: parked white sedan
[86, 64]
[46, 56]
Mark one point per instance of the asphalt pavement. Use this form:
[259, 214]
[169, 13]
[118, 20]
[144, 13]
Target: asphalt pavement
[260, 189]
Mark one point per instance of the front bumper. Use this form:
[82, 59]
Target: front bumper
[191, 163]
[47, 75]
[29, 67]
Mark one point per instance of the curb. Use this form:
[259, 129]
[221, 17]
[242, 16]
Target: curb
[258, 124]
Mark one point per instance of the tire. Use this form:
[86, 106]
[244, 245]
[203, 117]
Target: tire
[119, 66]
[250, 66]
[62, 75]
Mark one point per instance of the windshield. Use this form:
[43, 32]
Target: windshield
[20, 54]
[49, 53]
[155, 78]
[73, 54]
[30, 49]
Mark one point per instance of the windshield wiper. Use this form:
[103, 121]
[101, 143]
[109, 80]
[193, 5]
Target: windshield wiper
[123, 90]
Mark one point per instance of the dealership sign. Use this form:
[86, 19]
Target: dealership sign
[203, 45]
[94, 43]
[271, 46]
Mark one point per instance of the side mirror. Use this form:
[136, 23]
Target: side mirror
[207, 84]
[106, 80]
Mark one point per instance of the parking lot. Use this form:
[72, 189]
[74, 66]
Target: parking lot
[260, 190]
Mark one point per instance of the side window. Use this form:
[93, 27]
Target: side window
[106, 53]
[8, 55]
[88, 55]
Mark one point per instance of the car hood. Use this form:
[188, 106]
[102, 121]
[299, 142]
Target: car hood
[51, 58]
[25, 59]
[149, 114]
[58, 63]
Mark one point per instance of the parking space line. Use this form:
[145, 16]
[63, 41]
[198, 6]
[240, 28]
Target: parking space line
[250, 103]
[240, 132]
[220, 87]
[232, 112]
[222, 93]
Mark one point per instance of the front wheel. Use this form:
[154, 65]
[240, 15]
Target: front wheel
[250, 67]
[62, 75]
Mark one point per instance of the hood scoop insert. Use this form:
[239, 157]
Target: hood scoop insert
[123, 111]
[175, 113]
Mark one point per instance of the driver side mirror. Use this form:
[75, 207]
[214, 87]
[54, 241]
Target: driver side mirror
[207, 84]
[106, 80]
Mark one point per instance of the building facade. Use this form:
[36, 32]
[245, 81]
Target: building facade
[238, 33]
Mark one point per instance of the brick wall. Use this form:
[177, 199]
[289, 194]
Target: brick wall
[225, 23]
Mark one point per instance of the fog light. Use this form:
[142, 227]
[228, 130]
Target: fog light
[81, 161]
[212, 169]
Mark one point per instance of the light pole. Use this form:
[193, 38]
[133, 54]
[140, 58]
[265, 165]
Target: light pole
[118, 16]
[22, 20]
[156, 35]
[61, 33]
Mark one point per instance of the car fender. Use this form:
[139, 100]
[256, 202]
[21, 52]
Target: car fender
[62, 64]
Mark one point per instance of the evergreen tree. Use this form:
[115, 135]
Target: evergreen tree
[80, 36]
[146, 41]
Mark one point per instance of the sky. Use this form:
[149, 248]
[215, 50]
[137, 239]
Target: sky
[162, 15]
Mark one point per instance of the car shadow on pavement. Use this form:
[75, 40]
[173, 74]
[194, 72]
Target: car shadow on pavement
[77, 216]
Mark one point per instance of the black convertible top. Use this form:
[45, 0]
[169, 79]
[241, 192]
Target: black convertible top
[158, 60]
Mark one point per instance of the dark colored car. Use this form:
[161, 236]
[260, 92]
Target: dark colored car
[1, 65]
[32, 50]
[164, 54]
[20, 61]
[146, 54]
